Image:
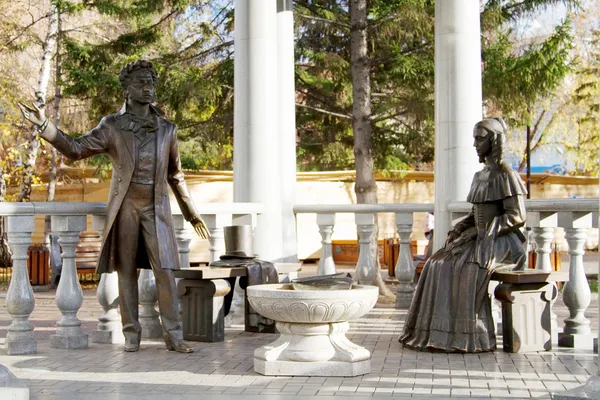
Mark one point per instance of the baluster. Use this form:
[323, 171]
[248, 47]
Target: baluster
[236, 312]
[543, 224]
[69, 297]
[365, 267]
[542, 236]
[405, 269]
[326, 263]
[238, 302]
[110, 329]
[148, 297]
[215, 224]
[183, 236]
[19, 298]
[576, 292]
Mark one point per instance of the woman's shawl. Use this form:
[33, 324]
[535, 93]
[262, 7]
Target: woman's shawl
[495, 184]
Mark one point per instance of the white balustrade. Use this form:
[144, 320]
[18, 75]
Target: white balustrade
[69, 219]
[405, 269]
[69, 297]
[365, 267]
[326, 263]
[110, 329]
[19, 298]
[543, 217]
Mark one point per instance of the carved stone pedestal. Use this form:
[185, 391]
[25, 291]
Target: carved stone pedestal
[312, 350]
[203, 311]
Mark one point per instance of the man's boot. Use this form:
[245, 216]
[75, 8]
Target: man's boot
[178, 345]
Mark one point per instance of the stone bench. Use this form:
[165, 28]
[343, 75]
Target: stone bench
[526, 298]
[204, 291]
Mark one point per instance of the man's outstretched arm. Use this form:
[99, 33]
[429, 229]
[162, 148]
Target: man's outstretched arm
[93, 142]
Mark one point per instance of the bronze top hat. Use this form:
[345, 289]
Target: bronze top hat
[238, 242]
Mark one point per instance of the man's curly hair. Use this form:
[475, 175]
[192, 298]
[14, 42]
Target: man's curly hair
[127, 71]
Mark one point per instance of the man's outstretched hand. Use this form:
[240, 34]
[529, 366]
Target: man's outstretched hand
[34, 114]
[200, 227]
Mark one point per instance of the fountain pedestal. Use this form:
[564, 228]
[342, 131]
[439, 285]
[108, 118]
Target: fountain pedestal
[312, 326]
[312, 350]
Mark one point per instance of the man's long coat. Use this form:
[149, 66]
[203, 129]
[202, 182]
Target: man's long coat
[114, 136]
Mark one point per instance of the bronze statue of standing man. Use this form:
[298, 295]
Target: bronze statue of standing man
[139, 229]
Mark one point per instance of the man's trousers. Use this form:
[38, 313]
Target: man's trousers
[135, 226]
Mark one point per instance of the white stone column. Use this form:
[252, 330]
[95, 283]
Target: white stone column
[405, 269]
[19, 298]
[148, 297]
[215, 224]
[365, 267]
[286, 124]
[458, 105]
[110, 329]
[256, 156]
[576, 292]
[326, 263]
[69, 297]
[244, 219]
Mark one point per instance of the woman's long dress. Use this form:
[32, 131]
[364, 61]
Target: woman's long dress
[451, 308]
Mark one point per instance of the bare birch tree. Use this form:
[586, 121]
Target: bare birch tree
[33, 146]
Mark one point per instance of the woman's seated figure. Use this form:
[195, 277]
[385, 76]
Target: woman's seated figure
[451, 308]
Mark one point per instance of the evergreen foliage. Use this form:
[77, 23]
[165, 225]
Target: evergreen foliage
[191, 47]
[191, 44]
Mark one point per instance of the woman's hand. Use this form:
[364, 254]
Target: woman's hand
[456, 240]
[452, 236]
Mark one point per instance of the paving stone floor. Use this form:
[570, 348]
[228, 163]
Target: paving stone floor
[225, 370]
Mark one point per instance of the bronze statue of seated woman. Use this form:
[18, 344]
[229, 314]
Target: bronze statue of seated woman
[451, 307]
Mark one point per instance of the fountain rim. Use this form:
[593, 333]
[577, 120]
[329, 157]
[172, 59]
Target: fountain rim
[277, 291]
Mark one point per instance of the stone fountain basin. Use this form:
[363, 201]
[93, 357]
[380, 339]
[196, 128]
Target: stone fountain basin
[280, 302]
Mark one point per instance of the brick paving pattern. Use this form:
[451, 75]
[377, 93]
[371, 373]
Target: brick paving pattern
[225, 370]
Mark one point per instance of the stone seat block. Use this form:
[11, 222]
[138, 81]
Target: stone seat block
[203, 310]
[526, 298]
